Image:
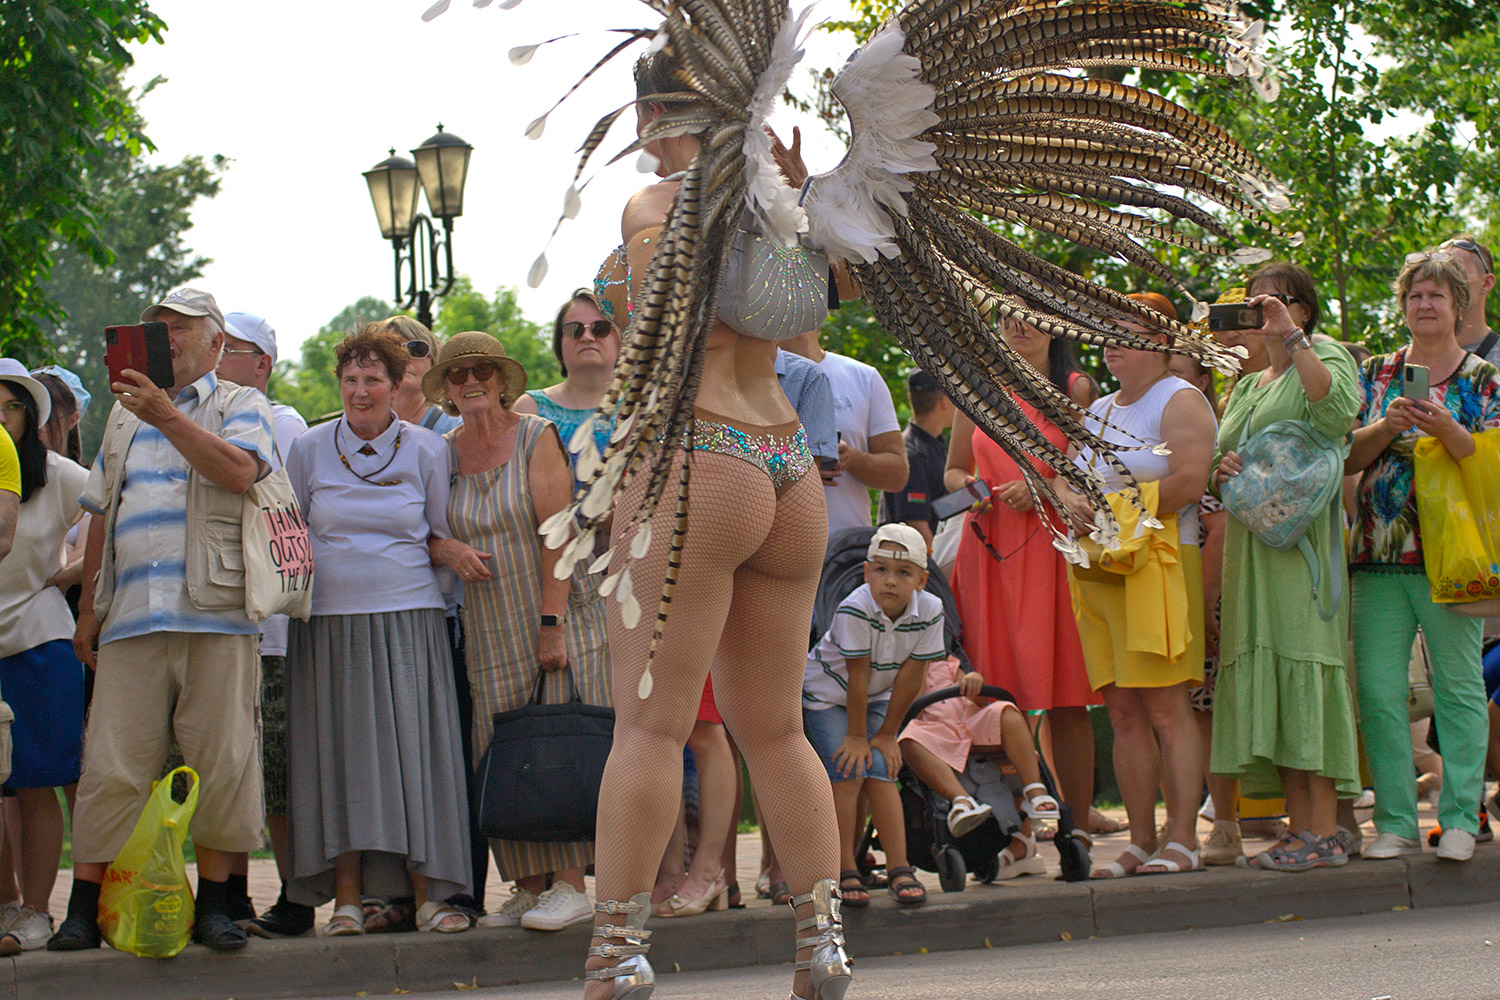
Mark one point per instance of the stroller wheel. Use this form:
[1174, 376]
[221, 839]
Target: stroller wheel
[987, 868]
[951, 872]
[1073, 855]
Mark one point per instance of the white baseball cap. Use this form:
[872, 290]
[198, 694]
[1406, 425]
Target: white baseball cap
[908, 541]
[252, 329]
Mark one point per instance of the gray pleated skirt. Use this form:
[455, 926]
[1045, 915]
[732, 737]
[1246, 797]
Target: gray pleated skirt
[374, 762]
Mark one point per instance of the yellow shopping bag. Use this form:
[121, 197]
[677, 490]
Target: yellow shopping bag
[1458, 506]
[145, 906]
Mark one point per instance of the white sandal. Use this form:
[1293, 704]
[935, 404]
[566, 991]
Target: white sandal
[1116, 870]
[1163, 866]
[1029, 863]
[1044, 806]
[347, 921]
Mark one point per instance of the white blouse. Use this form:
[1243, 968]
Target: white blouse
[32, 613]
[369, 540]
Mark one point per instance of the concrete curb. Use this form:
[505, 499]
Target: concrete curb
[1030, 911]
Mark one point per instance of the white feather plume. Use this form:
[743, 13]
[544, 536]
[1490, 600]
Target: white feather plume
[848, 208]
[766, 194]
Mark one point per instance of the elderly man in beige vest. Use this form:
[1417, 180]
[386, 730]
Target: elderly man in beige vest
[165, 627]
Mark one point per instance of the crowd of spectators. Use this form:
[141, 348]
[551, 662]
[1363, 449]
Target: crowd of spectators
[350, 740]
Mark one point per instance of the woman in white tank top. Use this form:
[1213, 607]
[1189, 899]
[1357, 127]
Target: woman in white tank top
[1147, 694]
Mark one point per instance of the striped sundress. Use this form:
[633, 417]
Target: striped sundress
[492, 511]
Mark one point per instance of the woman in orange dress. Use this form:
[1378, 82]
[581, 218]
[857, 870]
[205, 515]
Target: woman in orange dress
[1011, 585]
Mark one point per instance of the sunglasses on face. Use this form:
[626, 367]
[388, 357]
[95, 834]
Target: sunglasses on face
[1285, 299]
[1473, 248]
[600, 328]
[459, 374]
[418, 348]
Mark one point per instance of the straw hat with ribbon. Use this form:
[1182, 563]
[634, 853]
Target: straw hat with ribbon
[467, 348]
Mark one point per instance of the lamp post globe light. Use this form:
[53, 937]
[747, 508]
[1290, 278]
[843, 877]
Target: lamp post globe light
[423, 256]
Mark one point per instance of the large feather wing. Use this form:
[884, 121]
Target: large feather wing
[968, 109]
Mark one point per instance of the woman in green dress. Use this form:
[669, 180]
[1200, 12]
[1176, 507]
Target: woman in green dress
[1282, 699]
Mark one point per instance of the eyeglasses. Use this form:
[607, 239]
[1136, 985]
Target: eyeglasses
[600, 328]
[418, 348]
[249, 350]
[459, 374]
[1474, 249]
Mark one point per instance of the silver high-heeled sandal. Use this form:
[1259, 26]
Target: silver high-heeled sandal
[831, 970]
[633, 978]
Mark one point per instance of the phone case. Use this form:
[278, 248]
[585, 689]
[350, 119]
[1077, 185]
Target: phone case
[144, 348]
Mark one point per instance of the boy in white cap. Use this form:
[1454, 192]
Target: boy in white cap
[861, 678]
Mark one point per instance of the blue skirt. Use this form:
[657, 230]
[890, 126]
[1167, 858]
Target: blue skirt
[44, 688]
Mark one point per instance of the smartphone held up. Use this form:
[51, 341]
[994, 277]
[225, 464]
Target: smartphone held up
[1235, 316]
[1415, 382]
[143, 347]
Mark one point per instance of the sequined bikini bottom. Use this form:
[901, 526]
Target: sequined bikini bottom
[779, 450]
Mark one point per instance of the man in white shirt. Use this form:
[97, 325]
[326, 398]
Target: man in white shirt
[872, 453]
[248, 357]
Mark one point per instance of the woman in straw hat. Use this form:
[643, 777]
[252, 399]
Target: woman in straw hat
[511, 472]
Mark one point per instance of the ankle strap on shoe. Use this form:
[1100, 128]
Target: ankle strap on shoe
[825, 894]
[614, 906]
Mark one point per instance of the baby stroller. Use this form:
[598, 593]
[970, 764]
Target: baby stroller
[929, 844]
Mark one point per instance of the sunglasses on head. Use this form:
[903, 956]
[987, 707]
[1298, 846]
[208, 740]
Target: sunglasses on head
[600, 328]
[459, 374]
[1473, 248]
[1438, 256]
[418, 348]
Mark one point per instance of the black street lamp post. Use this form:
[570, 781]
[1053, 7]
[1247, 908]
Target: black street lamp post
[423, 256]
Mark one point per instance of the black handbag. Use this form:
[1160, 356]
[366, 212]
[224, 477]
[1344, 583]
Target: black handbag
[539, 778]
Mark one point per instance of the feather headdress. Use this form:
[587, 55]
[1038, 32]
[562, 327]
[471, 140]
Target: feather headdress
[961, 111]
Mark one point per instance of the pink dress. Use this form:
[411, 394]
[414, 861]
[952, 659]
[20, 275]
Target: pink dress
[1017, 613]
[949, 728]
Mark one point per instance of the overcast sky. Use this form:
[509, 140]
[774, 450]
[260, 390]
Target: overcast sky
[304, 96]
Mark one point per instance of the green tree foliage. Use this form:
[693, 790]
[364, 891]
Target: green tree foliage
[142, 215]
[308, 385]
[61, 115]
[529, 343]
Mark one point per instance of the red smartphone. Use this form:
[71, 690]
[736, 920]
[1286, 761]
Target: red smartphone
[144, 348]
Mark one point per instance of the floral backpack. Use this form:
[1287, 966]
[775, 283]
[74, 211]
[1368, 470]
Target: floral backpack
[1291, 474]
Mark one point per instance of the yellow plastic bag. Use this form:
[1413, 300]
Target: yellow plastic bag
[1458, 506]
[145, 906]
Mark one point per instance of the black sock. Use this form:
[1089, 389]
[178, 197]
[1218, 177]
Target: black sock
[213, 897]
[239, 887]
[84, 901]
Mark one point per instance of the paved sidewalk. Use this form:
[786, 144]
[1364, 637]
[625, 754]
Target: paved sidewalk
[1024, 911]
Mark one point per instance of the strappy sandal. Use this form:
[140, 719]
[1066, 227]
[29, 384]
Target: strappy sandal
[1116, 870]
[1041, 807]
[902, 880]
[1166, 866]
[347, 921]
[389, 916]
[1030, 861]
[1315, 852]
[855, 894]
[781, 893]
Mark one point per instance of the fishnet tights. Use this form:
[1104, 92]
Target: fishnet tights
[743, 603]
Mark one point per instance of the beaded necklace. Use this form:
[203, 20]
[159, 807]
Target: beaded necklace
[370, 478]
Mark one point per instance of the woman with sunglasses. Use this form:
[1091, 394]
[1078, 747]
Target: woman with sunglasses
[585, 344]
[410, 403]
[510, 473]
[1011, 587]
[1281, 704]
[1390, 591]
[376, 789]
